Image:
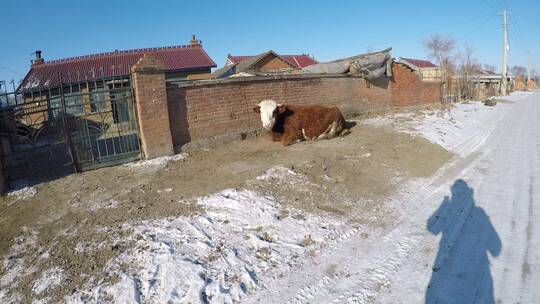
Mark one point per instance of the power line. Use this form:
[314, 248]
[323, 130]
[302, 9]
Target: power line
[528, 17]
[464, 21]
[10, 70]
[504, 4]
[459, 23]
[477, 27]
[515, 24]
[492, 5]
[520, 30]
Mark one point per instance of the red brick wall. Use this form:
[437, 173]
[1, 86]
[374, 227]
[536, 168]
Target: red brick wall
[204, 109]
[431, 92]
[201, 110]
[407, 89]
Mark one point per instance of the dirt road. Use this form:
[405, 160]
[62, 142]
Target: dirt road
[470, 234]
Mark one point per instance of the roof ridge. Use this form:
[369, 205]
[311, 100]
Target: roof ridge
[116, 52]
[426, 60]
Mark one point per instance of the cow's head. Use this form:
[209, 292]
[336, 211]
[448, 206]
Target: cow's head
[269, 110]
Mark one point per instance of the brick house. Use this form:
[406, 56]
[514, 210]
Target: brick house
[180, 62]
[426, 69]
[266, 63]
[89, 74]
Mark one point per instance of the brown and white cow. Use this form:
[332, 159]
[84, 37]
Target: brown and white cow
[290, 123]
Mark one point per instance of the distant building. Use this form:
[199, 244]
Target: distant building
[480, 84]
[426, 69]
[265, 63]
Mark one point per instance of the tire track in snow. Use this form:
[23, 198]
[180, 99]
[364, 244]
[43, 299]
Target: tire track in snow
[381, 271]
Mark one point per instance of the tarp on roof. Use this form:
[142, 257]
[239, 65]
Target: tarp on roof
[370, 66]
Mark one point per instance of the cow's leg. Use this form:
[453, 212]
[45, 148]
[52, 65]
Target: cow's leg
[273, 136]
[329, 132]
[290, 138]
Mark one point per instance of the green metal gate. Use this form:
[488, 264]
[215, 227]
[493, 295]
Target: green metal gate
[71, 128]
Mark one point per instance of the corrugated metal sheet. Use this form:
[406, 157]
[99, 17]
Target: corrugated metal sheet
[299, 61]
[113, 64]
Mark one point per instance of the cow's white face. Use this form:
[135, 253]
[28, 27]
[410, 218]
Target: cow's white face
[267, 108]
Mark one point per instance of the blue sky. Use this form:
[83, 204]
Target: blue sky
[325, 29]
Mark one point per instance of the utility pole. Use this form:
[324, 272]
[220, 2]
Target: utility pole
[529, 67]
[506, 48]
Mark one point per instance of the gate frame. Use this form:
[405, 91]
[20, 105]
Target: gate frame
[16, 103]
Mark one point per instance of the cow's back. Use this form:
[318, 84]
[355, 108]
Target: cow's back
[313, 120]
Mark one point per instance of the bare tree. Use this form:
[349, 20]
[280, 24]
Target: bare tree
[441, 49]
[518, 71]
[467, 65]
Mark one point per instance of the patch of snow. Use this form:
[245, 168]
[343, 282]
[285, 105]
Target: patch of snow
[166, 190]
[240, 242]
[159, 162]
[278, 172]
[23, 193]
[106, 204]
[48, 279]
[80, 247]
[15, 267]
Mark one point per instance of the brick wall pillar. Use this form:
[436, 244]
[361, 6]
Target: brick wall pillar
[152, 109]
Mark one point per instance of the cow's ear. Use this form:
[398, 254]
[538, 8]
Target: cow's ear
[282, 108]
[257, 109]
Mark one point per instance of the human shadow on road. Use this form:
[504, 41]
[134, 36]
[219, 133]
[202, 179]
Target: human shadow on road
[461, 273]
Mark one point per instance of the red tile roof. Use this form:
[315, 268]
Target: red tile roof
[299, 61]
[112, 64]
[420, 63]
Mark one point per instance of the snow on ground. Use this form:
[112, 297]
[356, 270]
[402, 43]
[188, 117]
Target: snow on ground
[242, 241]
[48, 279]
[158, 162]
[23, 193]
[104, 204]
[468, 234]
[14, 266]
[460, 129]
